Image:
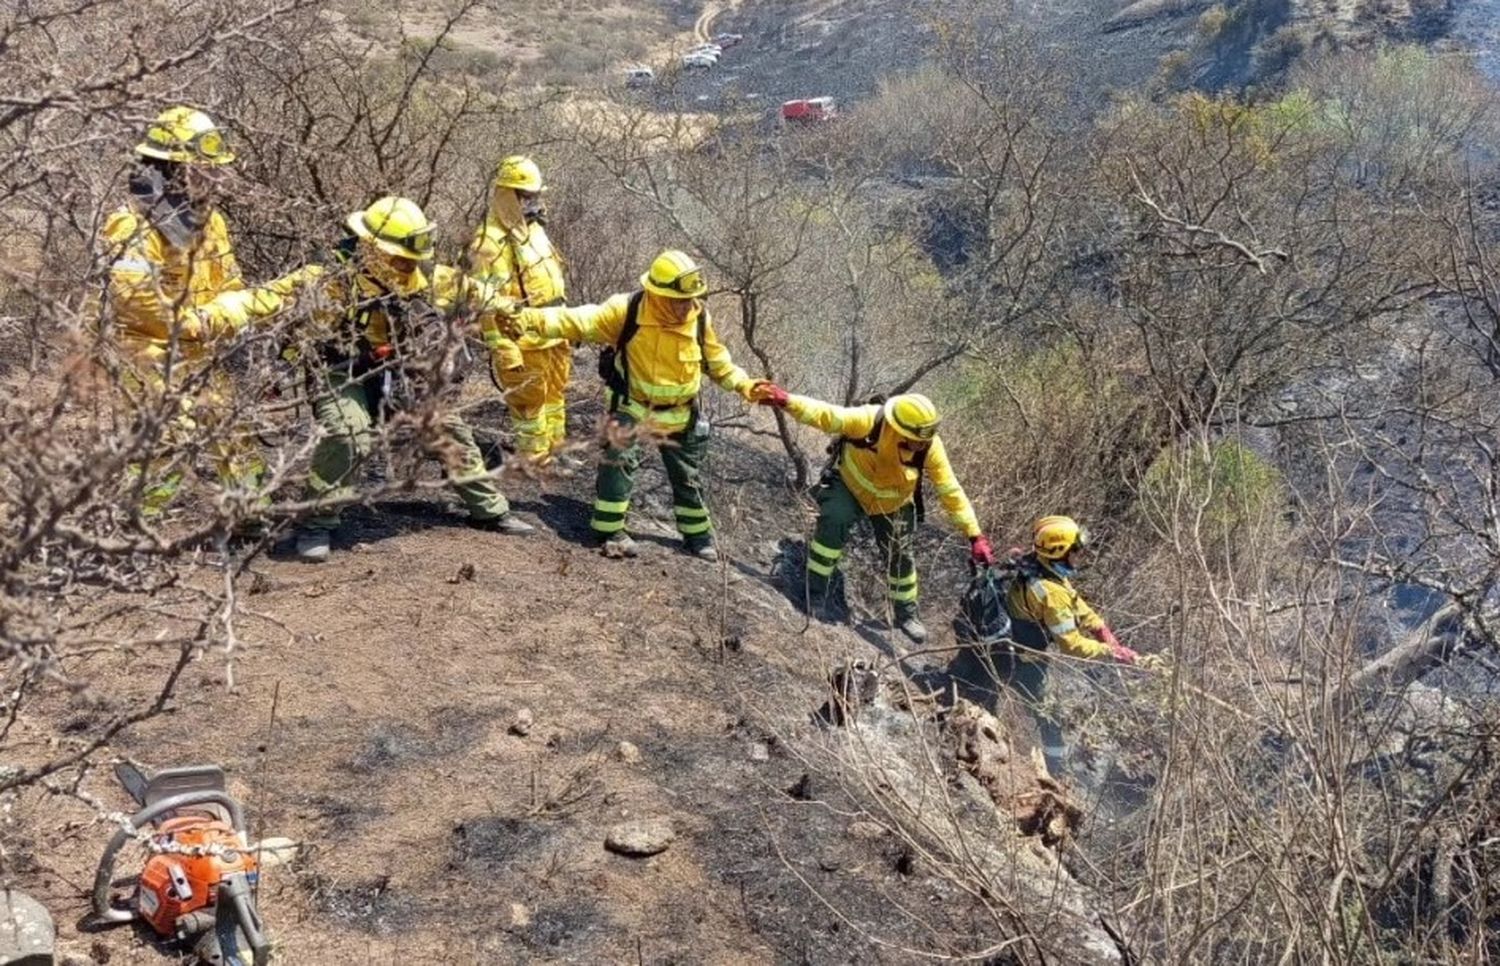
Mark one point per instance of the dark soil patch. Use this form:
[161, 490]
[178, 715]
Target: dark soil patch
[492, 843]
[396, 743]
[369, 905]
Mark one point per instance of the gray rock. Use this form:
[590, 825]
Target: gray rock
[760, 752]
[26, 931]
[641, 838]
[522, 725]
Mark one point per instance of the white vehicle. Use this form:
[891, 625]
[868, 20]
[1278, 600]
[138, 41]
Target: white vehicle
[639, 77]
[699, 61]
[728, 40]
[713, 49]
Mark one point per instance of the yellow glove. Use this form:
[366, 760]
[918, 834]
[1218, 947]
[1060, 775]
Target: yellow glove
[293, 280]
[507, 354]
[228, 313]
[765, 391]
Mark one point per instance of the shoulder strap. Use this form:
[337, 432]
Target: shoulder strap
[614, 362]
[702, 336]
[872, 438]
[517, 267]
[632, 323]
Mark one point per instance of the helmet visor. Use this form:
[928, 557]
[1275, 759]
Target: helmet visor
[922, 434]
[208, 146]
[688, 284]
[414, 244]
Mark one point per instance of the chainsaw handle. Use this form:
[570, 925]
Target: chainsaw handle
[106, 914]
[236, 916]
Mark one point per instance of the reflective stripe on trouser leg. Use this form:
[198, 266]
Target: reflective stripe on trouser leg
[531, 432]
[903, 590]
[554, 423]
[525, 395]
[609, 515]
[342, 411]
[613, 485]
[893, 535]
[692, 521]
[682, 455]
[554, 411]
[838, 511]
[822, 560]
[467, 474]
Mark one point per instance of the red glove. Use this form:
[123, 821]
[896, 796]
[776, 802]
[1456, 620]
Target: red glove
[1117, 650]
[770, 394]
[981, 552]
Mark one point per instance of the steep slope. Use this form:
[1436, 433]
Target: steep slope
[375, 718]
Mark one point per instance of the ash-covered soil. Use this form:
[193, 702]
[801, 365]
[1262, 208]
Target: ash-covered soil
[374, 719]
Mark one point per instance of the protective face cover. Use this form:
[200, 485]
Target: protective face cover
[161, 192]
[506, 208]
[534, 209]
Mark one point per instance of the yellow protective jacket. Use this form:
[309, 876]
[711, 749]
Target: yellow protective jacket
[665, 363]
[156, 287]
[877, 476]
[1051, 601]
[523, 267]
[351, 310]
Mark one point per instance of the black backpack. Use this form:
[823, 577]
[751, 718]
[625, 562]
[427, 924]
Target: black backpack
[869, 441]
[982, 618]
[614, 361]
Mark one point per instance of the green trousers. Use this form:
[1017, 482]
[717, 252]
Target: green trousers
[838, 512]
[1022, 668]
[681, 455]
[344, 415]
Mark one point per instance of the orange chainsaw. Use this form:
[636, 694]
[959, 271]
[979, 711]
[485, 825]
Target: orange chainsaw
[198, 882]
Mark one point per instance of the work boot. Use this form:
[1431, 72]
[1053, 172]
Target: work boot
[702, 547]
[908, 623]
[823, 600]
[314, 546]
[620, 545]
[507, 523]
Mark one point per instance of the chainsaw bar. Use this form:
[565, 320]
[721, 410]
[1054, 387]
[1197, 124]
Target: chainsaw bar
[134, 780]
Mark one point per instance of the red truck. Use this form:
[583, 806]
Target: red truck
[810, 109]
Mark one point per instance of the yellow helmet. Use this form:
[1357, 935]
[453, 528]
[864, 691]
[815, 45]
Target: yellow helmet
[912, 415]
[519, 172]
[675, 275]
[1053, 537]
[186, 136]
[396, 226]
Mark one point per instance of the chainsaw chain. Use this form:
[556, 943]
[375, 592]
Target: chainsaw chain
[165, 845]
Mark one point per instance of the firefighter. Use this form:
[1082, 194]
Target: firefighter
[1045, 609]
[881, 454]
[659, 343]
[376, 311]
[511, 251]
[175, 295]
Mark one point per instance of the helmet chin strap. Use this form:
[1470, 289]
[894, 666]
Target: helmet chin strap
[1059, 567]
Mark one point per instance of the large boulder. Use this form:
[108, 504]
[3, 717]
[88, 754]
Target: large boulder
[26, 931]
